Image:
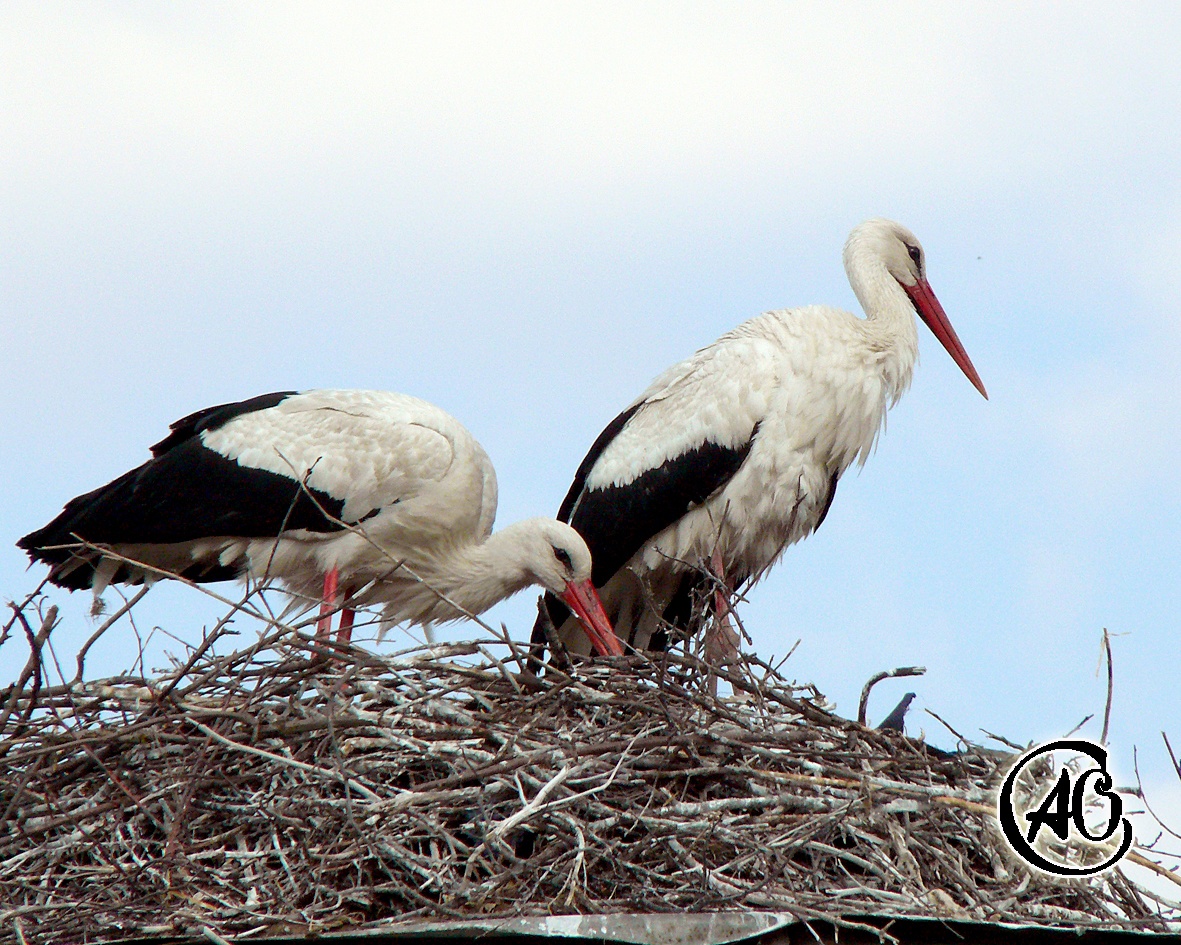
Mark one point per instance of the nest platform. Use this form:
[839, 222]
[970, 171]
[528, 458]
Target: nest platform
[286, 790]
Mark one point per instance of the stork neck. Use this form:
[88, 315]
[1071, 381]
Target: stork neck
[890, 330]
[481, 574]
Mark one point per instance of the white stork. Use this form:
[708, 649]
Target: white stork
[735, 453]
[367, 496]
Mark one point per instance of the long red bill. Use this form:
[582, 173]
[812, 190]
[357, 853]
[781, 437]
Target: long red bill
[932, 313]
[583, 599]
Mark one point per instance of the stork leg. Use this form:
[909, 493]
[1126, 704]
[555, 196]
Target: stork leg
[344, 630]
[328, 604]
[721, 639]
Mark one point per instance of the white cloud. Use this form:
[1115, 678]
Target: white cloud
[526, 96]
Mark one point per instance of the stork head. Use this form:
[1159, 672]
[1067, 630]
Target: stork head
[900, 251]
[559, 560]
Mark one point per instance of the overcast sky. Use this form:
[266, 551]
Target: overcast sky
[523, 212]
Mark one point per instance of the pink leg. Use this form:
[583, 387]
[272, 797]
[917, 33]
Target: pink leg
[721, 639]
[721, 597]
[327, 604]
[344, 632]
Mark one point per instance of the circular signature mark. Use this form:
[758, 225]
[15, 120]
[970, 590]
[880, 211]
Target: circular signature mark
[1062, 807]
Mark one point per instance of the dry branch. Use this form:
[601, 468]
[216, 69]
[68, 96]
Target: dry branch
[274, 791]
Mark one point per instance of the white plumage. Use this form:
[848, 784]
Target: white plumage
[383, 492]
[419, 487]
[733, 454]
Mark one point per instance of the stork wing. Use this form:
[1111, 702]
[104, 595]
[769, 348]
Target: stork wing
[213, 417]
[274, 463]
[616, 520]
[368, 450]
[672, 449]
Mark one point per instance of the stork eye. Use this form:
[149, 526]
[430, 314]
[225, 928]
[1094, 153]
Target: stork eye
[563, 557]
[916, 254]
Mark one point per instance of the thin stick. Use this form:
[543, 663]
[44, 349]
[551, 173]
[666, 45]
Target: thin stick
[1172, 757]
[17, 609]
[1110, 687]
[32, 667]
[106, 625]
[863, 705]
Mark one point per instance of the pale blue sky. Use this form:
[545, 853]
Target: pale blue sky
[524, 212]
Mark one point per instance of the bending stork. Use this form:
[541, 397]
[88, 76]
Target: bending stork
[360, 497]
[699, 485]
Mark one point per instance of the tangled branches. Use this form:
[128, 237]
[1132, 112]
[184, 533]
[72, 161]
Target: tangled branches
[285, 789]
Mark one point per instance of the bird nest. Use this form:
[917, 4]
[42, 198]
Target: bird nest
[295, 788]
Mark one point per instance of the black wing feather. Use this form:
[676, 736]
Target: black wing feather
[617, 520]
[602, 441]
[186, 492]
[212, 418]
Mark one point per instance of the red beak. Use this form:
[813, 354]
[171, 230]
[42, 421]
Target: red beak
[931, 312]
[583, 599]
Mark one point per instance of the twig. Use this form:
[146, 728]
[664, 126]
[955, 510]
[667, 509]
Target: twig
[863, 705]
[32, 668]
[106, 624]
[1140, 793]
[1110, 687]
[947, 725]
[290, 762]
[17, 609]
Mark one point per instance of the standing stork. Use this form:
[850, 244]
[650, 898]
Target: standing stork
[353, 497]
[735, 453]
